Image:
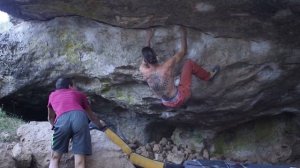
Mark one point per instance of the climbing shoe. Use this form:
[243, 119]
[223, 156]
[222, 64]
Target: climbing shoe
[214, 72]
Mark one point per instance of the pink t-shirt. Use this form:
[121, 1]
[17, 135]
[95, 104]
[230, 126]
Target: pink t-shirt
[64, 100]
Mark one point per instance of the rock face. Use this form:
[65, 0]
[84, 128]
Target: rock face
[35, 138]
[272, 140]
[277, 19]
[258, 77]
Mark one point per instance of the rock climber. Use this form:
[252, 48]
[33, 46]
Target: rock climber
[160, 76]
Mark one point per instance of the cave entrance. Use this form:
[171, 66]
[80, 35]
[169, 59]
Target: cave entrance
[158, 130]
[29, 104]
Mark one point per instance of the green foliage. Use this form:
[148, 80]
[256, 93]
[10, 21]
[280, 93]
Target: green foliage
[8, 127]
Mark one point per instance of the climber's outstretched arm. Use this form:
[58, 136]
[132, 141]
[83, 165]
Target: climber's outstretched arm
[149, 37]
[181, 53]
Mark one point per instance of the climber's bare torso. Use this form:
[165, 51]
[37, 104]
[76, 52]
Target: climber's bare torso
[160, 78]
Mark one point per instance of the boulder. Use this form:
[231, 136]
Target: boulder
[22, 157]
[6, 159]
[36, 137]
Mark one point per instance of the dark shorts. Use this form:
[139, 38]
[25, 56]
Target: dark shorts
[72, 125]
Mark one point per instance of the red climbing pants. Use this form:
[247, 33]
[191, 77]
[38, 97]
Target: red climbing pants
[184, 89]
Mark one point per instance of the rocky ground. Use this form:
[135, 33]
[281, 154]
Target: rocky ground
[32, 149]
[166, 151]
